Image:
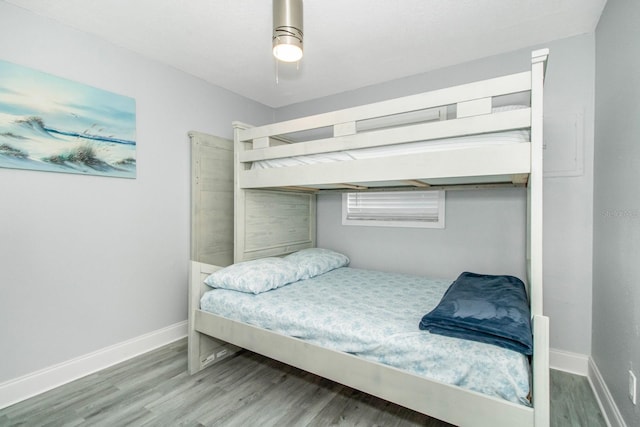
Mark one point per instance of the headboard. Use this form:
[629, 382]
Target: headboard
[211, 199]
[275, 223]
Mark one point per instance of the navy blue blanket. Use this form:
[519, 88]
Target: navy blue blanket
[489, 309]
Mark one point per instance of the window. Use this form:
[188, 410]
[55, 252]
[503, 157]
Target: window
[394, 209]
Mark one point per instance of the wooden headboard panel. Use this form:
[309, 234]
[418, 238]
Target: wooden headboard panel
[272, 223]
[257, 223]
[211, 199]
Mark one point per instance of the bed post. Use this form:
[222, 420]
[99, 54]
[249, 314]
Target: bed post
[203, 350]
[539, 59]
[238, 193]
[541, 392]
[193, 336]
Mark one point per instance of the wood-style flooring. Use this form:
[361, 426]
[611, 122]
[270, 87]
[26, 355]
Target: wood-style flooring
[246, 390]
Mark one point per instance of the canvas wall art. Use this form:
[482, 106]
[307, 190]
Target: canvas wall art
[48, 123]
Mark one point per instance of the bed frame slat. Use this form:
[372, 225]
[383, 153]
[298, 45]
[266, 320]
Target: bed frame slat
[513, 83]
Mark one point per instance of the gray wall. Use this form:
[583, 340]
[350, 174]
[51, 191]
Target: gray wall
[616, 244]
[441, 253]
[85, 261]
[485, 231]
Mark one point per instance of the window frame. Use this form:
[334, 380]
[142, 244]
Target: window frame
[439, 223]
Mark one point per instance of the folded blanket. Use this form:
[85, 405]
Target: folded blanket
[485, 308]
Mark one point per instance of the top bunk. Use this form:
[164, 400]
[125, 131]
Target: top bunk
[464, 136]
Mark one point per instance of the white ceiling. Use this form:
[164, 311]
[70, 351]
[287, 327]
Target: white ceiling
[348, 43]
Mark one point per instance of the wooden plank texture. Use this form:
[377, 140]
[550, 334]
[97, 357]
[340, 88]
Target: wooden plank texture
[211, 199]
[273, 223]
[154, 389]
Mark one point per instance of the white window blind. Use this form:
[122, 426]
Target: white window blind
[394, 208]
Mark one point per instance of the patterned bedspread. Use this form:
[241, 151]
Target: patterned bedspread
[375, 315]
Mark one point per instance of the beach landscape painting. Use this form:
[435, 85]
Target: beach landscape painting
[52, 124]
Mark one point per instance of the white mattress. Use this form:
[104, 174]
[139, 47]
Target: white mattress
[506, 137]
[375, 315]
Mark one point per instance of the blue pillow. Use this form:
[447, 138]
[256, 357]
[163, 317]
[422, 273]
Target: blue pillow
[255, 276]
[315, 261]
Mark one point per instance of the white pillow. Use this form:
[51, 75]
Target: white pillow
[255, 276]
[315, 261]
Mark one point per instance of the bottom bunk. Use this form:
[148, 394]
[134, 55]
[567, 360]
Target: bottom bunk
[462, 394]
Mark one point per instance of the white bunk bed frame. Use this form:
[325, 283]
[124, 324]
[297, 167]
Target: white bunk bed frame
[275, 215]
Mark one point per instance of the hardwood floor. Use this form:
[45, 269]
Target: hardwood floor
[247, 390]
[573, 402]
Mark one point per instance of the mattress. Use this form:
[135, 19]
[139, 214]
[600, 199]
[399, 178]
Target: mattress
[375, 315]
[505, 137]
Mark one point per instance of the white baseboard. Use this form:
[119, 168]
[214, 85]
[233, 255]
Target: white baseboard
[610, 410]
[22, 388]
[566, 361]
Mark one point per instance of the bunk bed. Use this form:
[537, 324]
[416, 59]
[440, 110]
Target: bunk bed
[458, 137]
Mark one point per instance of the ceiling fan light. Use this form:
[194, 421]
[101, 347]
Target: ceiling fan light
[287, 52]
[287, 30]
